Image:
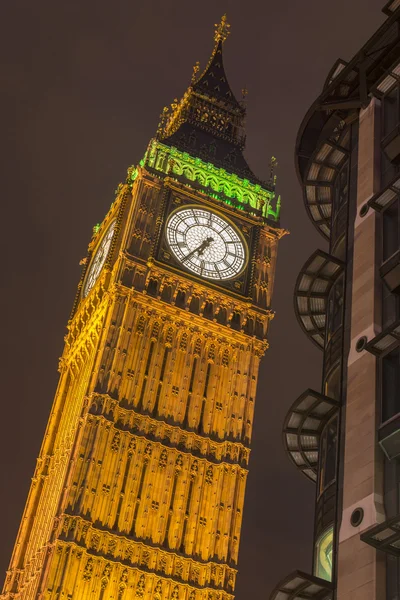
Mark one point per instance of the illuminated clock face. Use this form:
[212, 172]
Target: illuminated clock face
[99, 259]
[205, 243]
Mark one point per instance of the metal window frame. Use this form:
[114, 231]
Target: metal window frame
[302, 586]
[389, 336]
[323, 168]
[389, 531]
[317, 333]
[302, 429]
[390, 193]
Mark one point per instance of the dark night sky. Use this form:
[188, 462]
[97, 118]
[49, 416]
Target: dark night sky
[83, 84]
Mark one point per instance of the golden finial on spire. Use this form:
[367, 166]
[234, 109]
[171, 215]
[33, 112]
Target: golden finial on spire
[245, 91]
[222, 30]
[196, 69]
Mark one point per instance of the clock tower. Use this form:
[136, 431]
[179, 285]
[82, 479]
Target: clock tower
[139, 486]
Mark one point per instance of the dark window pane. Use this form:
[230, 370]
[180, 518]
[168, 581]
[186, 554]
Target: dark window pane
[388, 170]
[390, 111]
[390, 307]
[390, 385]
[341, 188]
[332, 384]
[328, 455]
[331, 448]
[390, 230]
[322, 461]
[335, 307]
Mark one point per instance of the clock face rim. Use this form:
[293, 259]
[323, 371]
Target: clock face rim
[228, 221]
[85, 290]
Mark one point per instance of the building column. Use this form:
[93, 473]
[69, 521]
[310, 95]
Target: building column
[360, 569]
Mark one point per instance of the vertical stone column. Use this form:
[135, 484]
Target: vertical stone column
[361, 570]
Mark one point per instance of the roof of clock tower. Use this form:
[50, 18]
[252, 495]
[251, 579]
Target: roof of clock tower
[208, 122]
[213, 83]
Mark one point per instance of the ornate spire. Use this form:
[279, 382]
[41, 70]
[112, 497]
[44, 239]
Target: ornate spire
[208, 122]
[209, 102]
[213, 81]
[222, 30]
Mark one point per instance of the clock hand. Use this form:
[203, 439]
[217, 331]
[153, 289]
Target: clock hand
[200, 249]
[205, 245]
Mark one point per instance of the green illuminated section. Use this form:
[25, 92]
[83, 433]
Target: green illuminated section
[323, 555]
[216, 182]
[133, 172]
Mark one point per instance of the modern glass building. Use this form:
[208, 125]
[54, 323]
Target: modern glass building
[345, 437]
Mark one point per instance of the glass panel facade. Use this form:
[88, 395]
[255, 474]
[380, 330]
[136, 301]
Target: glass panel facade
[335, 306]
[390, 307]
[331, 451]
[390, 108]
[390, 365]
[328, 453]
[323, 555]
[339, 207]
[341, 188]
[390, 120]
[390, 223]
[332, 385]
[390, 385]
